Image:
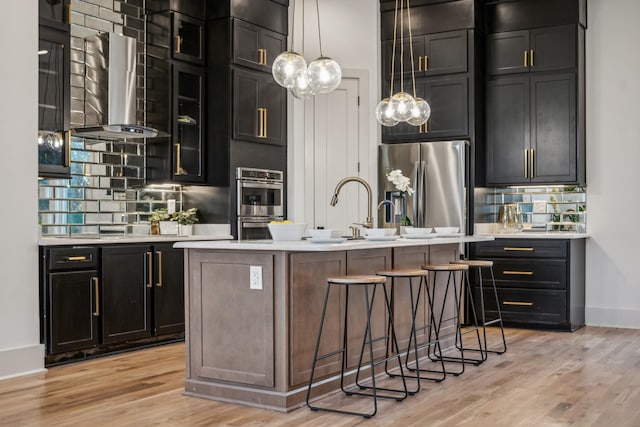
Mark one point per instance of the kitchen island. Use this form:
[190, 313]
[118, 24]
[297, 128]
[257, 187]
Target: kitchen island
[253, 309]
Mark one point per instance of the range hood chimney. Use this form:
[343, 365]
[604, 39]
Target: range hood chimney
[110, 89]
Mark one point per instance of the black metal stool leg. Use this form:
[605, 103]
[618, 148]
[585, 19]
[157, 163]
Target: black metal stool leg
[496, 320]
[429, 342]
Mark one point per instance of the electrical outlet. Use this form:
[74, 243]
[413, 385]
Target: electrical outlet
[255, 277]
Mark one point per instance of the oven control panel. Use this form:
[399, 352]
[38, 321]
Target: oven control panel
[259, 174]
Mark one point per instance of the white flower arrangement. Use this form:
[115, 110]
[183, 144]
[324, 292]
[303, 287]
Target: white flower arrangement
[401, 182]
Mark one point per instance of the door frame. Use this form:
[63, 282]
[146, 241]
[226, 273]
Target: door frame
[300, 159]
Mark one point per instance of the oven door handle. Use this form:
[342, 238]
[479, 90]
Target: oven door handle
[254, 225]
[260, 185]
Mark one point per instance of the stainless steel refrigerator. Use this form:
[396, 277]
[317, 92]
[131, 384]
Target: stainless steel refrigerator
[438, 177]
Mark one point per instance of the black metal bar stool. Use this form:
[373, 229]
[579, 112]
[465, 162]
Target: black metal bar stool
[421, 276]
[451, 269]
[479, 265]
[365, 281]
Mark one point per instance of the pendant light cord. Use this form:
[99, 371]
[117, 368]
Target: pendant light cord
[401, 46]
[393, 51]
[413, 68]
[319, 38]
[293, 28]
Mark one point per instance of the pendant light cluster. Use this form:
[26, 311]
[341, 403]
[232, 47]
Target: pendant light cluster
[290, 69]
[401, 106]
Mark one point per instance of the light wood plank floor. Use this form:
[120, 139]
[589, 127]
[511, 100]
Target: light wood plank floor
[587, 378]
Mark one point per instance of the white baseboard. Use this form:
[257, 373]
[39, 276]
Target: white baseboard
[15, 362]
[612, 317]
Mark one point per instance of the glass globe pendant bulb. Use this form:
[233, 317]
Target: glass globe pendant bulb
[420, 113]
[384, 113]
[302, 89]
[324, 75]
[287, 67]
[402, 105]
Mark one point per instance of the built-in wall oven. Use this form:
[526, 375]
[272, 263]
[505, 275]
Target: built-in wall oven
[260, 194]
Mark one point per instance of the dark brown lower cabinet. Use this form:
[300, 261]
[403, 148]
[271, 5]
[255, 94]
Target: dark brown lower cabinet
[70, 301]
[127, 281]
[98, 300]
[540, 282]
[168, 290]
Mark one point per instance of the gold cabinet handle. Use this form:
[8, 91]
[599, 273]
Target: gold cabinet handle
[262, 56]
[531, 170]
[159, 284]
[426, 63]
[68, 160]
[424, 128]
[531, 58]
[77, 258]
[69, 13]
[149, 269]
[178, 160]
[517, 273]
[520, 303]
[526, 162]
[509, 248]
[96, 295]
[178, 44]
[525, 58]
[262, 122]
[419, 63]
[265, 121]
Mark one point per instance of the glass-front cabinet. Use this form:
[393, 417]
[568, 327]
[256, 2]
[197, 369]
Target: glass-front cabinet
[188, 132]
[53, 102]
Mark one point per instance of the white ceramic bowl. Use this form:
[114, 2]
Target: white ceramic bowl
[446, 230]
[379, 232]
[325, 233]
[416, 230]
[286, 232]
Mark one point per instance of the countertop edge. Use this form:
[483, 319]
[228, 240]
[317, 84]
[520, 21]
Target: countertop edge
[306, 246]
[533, 235]
[70, 241]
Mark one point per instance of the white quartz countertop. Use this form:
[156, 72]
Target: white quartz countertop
[308, 246]
[538, 235]
[208, 232]
[75, 241]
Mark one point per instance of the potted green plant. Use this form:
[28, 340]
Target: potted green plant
[186, 219]
[158, 215]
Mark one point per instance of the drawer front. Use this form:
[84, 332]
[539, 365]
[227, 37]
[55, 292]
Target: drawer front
[529, 273]
[520, 248]
[72, 258]
[525, 305]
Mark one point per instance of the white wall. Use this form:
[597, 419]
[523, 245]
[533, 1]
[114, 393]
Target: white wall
[613, 159]
[20, 351]
[350, 35]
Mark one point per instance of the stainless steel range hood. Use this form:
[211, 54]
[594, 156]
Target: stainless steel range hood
[110, 89]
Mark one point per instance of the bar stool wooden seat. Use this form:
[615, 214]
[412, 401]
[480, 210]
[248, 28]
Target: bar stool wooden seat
[366, 282]
[452, 281]
[423, 287]
[479, 264]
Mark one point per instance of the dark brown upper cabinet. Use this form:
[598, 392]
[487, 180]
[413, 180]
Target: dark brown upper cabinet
[541, 49]
[256, 47]
[188, 39]
[54, 101]
[258, 108]
[54, 12]
[448, 98]
[433, 54]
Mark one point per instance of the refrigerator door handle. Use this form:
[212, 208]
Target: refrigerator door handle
[416, 194]
[422, 194]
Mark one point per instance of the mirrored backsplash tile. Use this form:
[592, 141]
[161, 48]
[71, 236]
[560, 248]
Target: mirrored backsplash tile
[544, 208]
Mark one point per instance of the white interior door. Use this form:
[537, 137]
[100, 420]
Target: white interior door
[337, 151]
